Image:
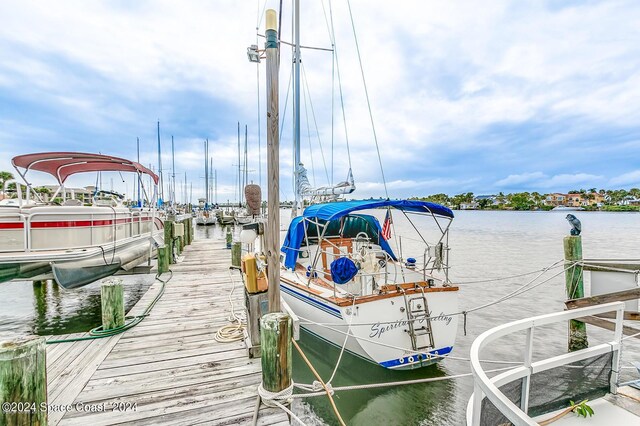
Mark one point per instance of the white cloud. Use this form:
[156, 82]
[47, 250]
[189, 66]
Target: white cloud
[441, 76]
[631, 178]
[521, 179]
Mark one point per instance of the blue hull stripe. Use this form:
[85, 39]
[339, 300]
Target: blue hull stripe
[328, 309]
[413, 359]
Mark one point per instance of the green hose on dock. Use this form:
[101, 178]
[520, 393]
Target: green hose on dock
[130, 321]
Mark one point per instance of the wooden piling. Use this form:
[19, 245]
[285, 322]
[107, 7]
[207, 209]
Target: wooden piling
[575, 289]
[236, 253]
[272, 231]
[163, 259]
[187, 231]
[23, 381]
[275, 342]
[229, 237]
[112, 298]
[168, 238]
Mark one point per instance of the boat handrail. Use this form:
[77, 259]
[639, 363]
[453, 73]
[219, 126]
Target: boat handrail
[71, 216]
[489, 387]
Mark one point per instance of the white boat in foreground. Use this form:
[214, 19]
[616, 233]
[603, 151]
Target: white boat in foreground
[342, 278]
[539, 391]
[78, 244]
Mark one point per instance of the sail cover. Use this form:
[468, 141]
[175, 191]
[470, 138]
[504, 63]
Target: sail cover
[64, 164]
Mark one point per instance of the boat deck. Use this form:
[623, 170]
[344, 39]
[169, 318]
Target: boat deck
[620, 409]
[168, 369]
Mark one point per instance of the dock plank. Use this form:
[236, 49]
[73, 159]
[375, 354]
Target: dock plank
[170, 365]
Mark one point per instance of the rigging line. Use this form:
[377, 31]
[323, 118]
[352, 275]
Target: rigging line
[324, 49]
[344, 345]
[333, 84]
[553, 265]
[520, 290]
[373, 127]
[258, 104]
[306, 113]
[315, 122]
[260, 16]
[344, 118]
[286, 104]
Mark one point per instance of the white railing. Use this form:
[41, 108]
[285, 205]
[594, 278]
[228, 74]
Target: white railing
[489, 387]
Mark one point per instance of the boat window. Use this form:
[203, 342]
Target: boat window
[345, 227]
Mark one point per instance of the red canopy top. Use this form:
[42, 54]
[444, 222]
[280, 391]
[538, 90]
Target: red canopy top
[64, 164]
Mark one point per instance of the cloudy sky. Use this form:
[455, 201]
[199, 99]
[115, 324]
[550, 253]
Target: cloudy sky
[480, 96]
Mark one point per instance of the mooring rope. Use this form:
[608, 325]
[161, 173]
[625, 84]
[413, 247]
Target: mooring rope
[530, 285]
[130, 321]
[233, 331]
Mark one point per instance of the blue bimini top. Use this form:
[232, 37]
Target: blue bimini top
[331, 211]
[357, 223]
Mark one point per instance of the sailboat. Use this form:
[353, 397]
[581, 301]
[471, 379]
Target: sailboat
[205, 215]
[241, 214]
[346, 283]
[78, 243]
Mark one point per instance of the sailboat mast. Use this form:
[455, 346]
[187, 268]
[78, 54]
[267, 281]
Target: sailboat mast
[297, 209]
[210, 177]
[206, 173]
[139, 175]
[239, 174]
[160, 165]
[173, 173]
[246, 161]
[215, 182]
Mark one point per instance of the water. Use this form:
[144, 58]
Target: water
[484, 245]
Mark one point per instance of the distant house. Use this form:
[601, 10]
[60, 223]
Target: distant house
[469, 206]
[575, 200]
[493, 200]
[84, 195]
[555, 199]
[630, 201]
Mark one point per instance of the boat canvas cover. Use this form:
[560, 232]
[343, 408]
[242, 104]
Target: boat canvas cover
[350, 227]
[64, 164]
[331, 211]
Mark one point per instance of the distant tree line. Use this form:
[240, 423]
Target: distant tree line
[613, 198]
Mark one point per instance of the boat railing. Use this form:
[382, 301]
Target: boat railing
[489, 388]
[133, 227]
[22, 218]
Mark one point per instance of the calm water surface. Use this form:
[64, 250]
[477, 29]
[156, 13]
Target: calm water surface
[484, 245]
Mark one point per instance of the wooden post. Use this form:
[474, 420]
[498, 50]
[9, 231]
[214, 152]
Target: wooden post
[23, 380]
[275, 342]
[163, 259]
[575, 289]
[187, 231]
[112, 298]
[168, 238]
[236, 254]
[40, 288]
[272, 231]
[229, 237]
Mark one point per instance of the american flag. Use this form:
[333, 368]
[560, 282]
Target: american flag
[386, 226]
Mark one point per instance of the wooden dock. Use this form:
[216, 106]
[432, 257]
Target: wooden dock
[168, 369]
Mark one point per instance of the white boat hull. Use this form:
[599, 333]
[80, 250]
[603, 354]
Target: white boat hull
[103, 240]
[206, 220]
[379, 328]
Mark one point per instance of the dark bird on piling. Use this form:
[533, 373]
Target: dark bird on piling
[576, 227]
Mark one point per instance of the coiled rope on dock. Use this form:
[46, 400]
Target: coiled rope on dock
[130, 321]
[234, 331]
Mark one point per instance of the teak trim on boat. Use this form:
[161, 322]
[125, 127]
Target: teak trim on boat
[390, 291]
